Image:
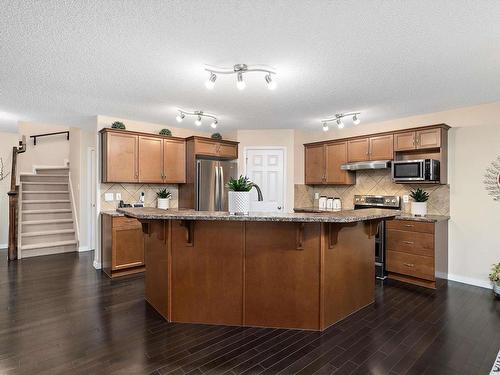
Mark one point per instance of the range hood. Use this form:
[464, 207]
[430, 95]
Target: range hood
[360, 165]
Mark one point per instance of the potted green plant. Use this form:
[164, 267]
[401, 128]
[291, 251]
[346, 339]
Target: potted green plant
[419, 204]
[495, 278]
[163, 198]
[118, 125]
[216, 136]
[239, 195]
[166, 132]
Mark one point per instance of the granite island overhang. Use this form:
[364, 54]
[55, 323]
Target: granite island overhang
[286, 270]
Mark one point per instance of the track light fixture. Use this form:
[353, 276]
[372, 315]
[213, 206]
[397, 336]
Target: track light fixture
[239, 69]
[338, 119]
[199, 116]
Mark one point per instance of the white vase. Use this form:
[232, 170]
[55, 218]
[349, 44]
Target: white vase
[419, 208]
[496, 289]
[163, 203]
[239, 202]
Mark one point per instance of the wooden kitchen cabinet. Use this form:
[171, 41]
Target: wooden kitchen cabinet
[418, 140]
[371, 148]
[322, 164]
[122, 245]
[218, 148]
[119, 157]
[174, 161]
[358, 150]
[150, 159]
[142, 158]
[417, 252]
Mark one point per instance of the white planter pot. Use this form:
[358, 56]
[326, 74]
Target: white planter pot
[496, 289]
[163, 203]
[419, 208]
[239, 202]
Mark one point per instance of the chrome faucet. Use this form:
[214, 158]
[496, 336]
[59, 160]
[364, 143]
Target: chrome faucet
[260, 198]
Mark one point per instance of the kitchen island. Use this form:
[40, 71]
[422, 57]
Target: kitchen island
[286, 270]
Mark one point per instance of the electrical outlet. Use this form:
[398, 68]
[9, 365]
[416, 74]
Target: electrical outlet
[406, 198]
[118, 196]
[108, 197]
[316, 195]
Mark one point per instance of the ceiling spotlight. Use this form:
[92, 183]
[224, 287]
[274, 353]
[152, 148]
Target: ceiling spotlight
[210, 83]
[271, 85]
[355, 119]
[325, 127]
[198, 121]
[239, 69]
[240, 84]
[338, 119]
[340, 124]
[180, 117]
[214, 124]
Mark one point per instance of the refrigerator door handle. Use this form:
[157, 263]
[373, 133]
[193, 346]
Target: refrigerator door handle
[221, 187]
[198, 177]
[217, 190]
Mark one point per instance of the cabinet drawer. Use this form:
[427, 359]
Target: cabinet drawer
[410, 242]
[411, 265]
[125, 222]
[410, 226]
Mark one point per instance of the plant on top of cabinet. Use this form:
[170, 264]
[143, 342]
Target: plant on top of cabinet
[216, 136]
[419, 204]
[118, 125]
[166, 132]
[163, 197]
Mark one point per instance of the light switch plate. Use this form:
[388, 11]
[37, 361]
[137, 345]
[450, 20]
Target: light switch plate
[108, 197]
[316, 195]
[406, 198]
[118, 196]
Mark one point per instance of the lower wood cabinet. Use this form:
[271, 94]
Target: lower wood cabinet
[122, 245]
[417, 252]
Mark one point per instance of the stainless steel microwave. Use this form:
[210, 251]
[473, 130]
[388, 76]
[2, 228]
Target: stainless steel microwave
[415, 170]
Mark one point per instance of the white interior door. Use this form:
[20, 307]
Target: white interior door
[266, 168]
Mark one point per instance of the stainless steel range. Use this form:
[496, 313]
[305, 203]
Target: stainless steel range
[378, 201]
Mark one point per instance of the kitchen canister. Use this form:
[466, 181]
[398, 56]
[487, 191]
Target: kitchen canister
[322, 203]
[337, 204]
[329, 203]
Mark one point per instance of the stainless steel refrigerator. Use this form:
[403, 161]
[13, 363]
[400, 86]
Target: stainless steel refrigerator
[211, 178]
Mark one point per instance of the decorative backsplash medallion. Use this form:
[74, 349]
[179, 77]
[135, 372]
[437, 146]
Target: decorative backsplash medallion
[375, 182]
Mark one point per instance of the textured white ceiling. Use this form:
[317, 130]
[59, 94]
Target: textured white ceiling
[66, 61]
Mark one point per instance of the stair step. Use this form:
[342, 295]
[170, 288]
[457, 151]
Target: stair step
[48, 232]
[61, 171]
[54, 221]
[43, 178]
[48, 244]
[47, 201]
[44, 183]
[44, 175]
[51, 211]
[46, 192]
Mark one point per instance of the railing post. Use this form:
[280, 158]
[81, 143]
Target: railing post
[13, 208]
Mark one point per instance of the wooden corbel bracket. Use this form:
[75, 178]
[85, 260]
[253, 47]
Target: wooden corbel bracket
[189, 226]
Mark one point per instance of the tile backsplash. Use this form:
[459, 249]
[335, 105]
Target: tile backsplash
[131, 193]
[375, 182]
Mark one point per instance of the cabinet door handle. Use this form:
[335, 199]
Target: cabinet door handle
[411, 265]
[408, 225]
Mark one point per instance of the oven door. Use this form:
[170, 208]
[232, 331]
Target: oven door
[408, 170]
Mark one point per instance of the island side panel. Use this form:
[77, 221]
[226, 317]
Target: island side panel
[282, 280]
[348, 270]
[207, 272]
[157, 260]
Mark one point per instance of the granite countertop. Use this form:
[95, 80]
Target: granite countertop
[401, 216]
[347, 216]
[112, 213]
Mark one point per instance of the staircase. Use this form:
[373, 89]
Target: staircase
[45, 213]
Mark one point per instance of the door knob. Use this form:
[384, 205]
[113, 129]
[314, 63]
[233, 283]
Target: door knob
[279, 207]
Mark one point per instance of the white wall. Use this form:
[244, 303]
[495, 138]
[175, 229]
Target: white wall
[7, 142]
[270, 137]
[475, 217]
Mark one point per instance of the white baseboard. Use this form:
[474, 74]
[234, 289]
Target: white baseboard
[470, 280]
[84, 248]
[97, 265]
[3, 245]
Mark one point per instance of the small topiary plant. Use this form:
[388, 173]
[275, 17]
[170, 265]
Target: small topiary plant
[240, 184]
[166, 132]
[217, 136]
[163, 194]
[118, 125]
[419, 195]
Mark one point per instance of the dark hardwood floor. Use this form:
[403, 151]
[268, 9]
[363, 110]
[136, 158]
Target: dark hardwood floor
[60, 316]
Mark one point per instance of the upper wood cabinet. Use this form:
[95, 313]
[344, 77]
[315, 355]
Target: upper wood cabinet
[150, 159]
[322, 164]
[370, 148]
[211, 147]
[119, 157]
[140, 157]
[174, 160]
[418, 140]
